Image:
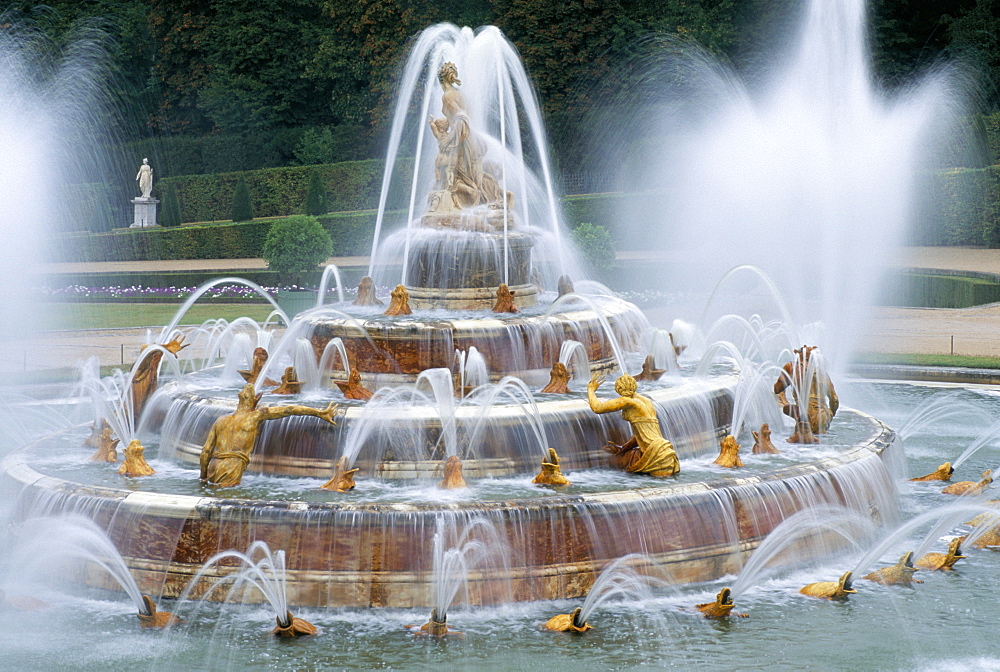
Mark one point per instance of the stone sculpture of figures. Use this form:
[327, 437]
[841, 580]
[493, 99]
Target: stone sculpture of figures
[399, 302]
[647, 452]
[226, 452]
[461, 178]
[145, 179]
[823, 402]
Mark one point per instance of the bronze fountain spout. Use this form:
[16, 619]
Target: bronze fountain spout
[256, 365]
[366, 293]
[106, 447]
[942, 562]
[762, 444]
[343, 479]
[970, 488]
[399, 302]
[292, 626]
[551, 474]
[649, 371]
[900, 574]
[453, 479]
[729, 453]
[722, 607]
[437, 626]
[290, 383]
[149, 617]
[505, 301]
[831, 590]
[558, 380]
[571, 622]
[943, 473]
[353, 389]
[135, 463]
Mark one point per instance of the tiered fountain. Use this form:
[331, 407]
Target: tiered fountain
[484, 307]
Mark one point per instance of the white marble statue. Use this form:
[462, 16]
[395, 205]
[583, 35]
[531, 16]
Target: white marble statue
[145, 179]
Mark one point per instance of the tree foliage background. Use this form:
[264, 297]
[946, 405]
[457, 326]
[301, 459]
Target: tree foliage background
[294, 81]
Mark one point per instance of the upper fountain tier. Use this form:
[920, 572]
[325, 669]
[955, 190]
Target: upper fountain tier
[480, 207]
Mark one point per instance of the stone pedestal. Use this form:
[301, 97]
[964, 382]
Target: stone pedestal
[145, 213]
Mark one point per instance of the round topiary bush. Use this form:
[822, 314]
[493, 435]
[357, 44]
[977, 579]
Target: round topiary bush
[295, 246]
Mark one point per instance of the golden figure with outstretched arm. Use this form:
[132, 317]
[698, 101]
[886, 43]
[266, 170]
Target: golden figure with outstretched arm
[647, 452]
[226, 452]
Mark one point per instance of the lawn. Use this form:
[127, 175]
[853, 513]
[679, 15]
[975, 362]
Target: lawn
[72, 315]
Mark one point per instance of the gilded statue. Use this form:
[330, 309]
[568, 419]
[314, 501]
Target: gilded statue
[292, 626]
[649, 371]
[558, 380]
[722, 607]
[453, 478]
[290, 383]
[149, 617]
[942, 562]
[823, 401]
[226, 452]
[831, 590]
[461, 178]
[900, 574]
[647, 452]
[366, 293]
[399, 302]
[135, 464]
[106, 447]
[353, 389]
[990, 539]
[147, 374]
[343, 478]
[729, 453]
[762, 444]
[970, 488]
[943, 473]
[567, 622]
[551, 474]
[505, 300]
[256, 366]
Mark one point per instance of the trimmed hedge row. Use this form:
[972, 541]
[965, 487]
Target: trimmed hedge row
[351, 234]
[278, 192]
[962, 208]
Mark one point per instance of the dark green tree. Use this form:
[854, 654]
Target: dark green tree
[316, 195]
[295, 246]
[242, 207]
[596, 244]
[171, 213]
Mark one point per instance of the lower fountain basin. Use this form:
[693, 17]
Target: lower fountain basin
[351, 553]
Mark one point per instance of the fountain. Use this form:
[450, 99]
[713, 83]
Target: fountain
[410, 487]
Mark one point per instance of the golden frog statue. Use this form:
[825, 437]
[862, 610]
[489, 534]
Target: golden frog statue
[943, 473]
[567, 623]
[721, 608]
[942, 562]
[900, 574]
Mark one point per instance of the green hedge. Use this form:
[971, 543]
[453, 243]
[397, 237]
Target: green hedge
[278, 192]
[933, 290]
[962, 207]
[351, 234]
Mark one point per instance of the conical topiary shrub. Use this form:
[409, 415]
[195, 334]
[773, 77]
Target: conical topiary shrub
[242, 208]
[316, 195]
